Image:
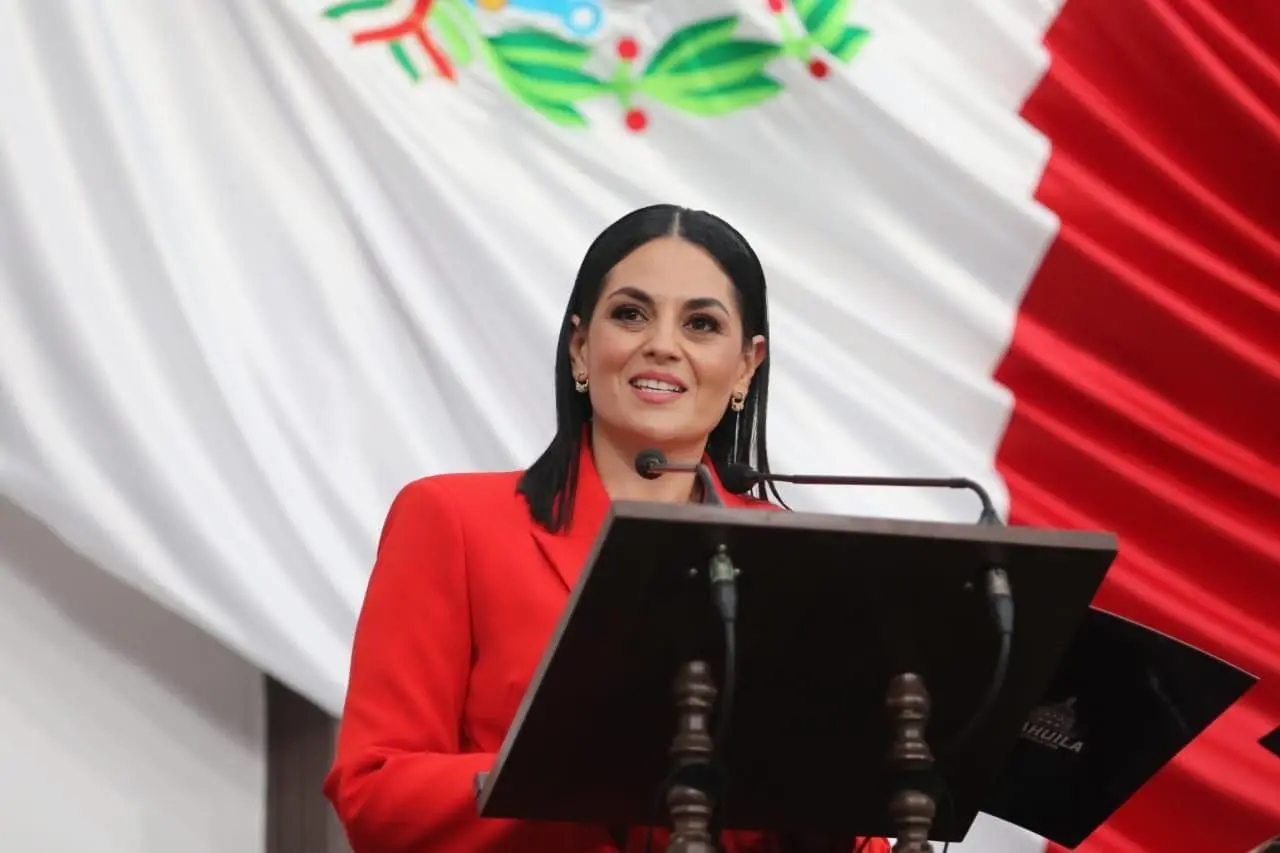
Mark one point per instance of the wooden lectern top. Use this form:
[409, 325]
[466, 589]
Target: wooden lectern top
[830, 609]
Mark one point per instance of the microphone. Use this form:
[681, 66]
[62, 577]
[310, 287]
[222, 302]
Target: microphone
[652, 464]
[738, 479]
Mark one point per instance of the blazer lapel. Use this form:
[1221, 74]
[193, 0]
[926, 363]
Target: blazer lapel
[567, 551]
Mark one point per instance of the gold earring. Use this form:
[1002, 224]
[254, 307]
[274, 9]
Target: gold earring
[580, 383]
[738, 402]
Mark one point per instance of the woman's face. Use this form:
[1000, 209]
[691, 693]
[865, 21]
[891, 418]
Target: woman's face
[663, 352]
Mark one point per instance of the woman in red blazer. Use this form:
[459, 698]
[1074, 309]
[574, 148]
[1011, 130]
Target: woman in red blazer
[662, 345]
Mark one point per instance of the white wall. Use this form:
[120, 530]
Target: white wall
[122, 728]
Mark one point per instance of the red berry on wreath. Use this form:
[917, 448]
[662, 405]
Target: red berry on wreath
[627, 48]
[818, 68]
[636, 120]
[776, 6]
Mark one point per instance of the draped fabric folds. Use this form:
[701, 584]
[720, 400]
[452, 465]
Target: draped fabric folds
[255, 277]
[1146, 366]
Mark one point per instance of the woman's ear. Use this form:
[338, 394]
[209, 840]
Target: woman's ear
[578, 348]
[752, 357]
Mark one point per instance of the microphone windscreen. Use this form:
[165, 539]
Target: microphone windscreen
[738, 478]
[647, 461]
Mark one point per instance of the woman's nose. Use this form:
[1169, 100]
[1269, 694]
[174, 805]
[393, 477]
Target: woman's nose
[663, 341]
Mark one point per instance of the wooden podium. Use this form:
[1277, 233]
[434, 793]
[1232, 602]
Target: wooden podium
[859, 650]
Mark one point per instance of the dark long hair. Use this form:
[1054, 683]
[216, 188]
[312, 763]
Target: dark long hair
[550, 483]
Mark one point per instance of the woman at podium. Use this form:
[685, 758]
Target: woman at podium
[663, 345]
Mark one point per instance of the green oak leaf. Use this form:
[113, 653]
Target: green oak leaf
[339, 10]
[689, 41]
[726, 98]
[557, 110]
[532, 46]
[545, 72]
[849, 42]
[824, 20]
[551, 83]
[702, 69]
[720, 78]
[565, 115]
[717, 65]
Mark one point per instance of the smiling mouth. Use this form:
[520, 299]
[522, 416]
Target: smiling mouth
[655, 386]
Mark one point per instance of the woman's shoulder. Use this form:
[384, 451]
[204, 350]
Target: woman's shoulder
[460, 491]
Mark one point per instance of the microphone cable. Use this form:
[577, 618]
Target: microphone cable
[1000, 602]
[722, 580]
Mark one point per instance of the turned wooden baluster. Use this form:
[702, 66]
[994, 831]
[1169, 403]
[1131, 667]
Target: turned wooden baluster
[912, 811]
[691, 809]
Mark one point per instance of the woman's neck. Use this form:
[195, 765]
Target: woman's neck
[615, 464]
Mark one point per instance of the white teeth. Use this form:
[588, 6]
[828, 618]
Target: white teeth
[655, 385]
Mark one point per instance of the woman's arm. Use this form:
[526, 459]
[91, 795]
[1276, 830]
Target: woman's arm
[399, 783]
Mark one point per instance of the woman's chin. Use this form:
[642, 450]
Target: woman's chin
[665, 433]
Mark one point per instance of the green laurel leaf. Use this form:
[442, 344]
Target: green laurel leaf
[824, 20]
[719, 65]
[722, 99]
[849, 42]
[338, 10]
[689, 41]
[531, 46]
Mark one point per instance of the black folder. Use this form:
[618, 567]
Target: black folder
[1124, 702]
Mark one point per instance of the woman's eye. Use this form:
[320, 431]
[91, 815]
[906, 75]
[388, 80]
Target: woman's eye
[703, 323]
[627, 314]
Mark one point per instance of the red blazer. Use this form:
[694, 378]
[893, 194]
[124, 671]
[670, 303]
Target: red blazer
[462, 601]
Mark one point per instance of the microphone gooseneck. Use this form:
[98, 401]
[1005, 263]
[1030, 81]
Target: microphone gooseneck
[739, 478]
[652, 464]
